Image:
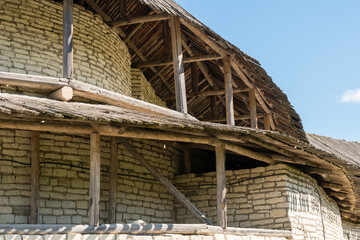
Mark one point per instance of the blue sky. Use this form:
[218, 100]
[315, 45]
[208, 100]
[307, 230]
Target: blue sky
[311, 49]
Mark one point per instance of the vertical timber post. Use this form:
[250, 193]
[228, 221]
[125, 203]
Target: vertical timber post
[252, 107]
[230, 119]
[178, 60]
[187, 163]
[113, 179]
[267, 122]
[68, 39]
[94, 179]
[35, 178]
[221, 186]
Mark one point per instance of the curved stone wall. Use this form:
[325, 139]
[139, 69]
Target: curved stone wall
[31, 43]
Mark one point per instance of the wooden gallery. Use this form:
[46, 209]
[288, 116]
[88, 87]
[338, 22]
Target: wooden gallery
[130, 119]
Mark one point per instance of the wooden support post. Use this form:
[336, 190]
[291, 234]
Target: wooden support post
[187, 162]
[178, 58]
[113, 180]
[194, 78]
[267, 122]
[171, 188]
[35, 178]
[167, 41]
[94, 179]
[229, 92]
[252, 107]
[221, 186]
[68, 39]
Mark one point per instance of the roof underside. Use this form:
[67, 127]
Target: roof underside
[149, 41]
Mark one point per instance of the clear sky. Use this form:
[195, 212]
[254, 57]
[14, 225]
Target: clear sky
[311, 49]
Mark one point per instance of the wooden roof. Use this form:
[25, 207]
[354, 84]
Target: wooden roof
[337, 176]
[150, 41]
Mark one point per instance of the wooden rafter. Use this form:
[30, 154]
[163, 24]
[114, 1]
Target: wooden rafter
[169, 62]
[141, 19]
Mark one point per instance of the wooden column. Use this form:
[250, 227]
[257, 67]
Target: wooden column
[35, 177]
[228, 92]
[221, 186]
[94, 179]
[187, 162]
[252, 107]
[68, 39]
[267, 122]
[178, 59]
[113, 179]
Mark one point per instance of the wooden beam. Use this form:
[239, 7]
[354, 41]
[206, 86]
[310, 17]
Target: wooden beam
[169, 62]
[236, 117]
[194, 78]
[156, 174]
[68, 31]
[32, 82]
[98, 10]
[167, 39]
[94, 210]
[221, 186]
[142, 19]
[228, 92]
[252, 108]
[206, 93]
[113, 179]
[123, 10]
[267, 122]
[178, 60]
[63, 94]
[35, 178]
[236, 66]
[108, 130]
[203, 36]
[187, 162]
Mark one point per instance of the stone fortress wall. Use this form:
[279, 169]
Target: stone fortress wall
[273, 197]
[64, 180]
[31, 43]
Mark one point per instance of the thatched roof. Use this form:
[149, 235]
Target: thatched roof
[150, 39]
[338, 177]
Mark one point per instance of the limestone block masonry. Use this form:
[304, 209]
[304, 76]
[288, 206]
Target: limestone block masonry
[64, 180]
[31, 43]
[274, 197]
[141, 89]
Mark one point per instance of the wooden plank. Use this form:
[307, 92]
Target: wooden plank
[206, 93]
[178, 60]
[252, 108]
[113, 179]
[141, 19]
[63, 94]
[35, 178]
[68, 31]
[94, 210]
[95, 93]
[171, 188]
[221, 186]
[169, 62]
[267, 122]
[187, 162]
[98, 10]
[224, 119]
[229, 99]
